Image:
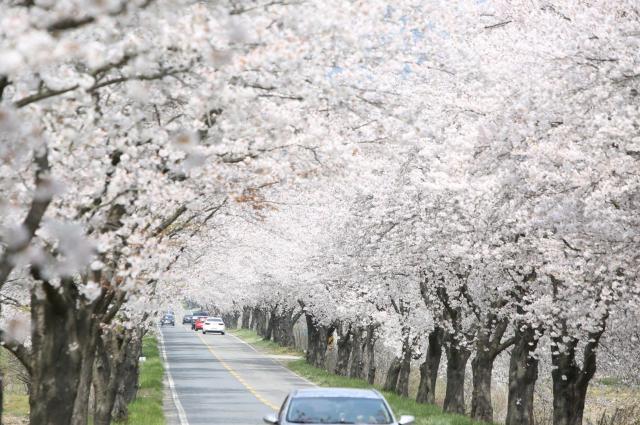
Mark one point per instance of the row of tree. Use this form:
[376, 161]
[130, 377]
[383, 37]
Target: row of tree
[418, 181]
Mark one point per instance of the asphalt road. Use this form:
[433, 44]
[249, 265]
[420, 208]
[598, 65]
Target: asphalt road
[218, 379]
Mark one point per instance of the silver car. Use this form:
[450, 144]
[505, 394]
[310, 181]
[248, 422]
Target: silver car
[335, 406]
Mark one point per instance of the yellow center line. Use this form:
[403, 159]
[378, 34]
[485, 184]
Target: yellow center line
[239, 378]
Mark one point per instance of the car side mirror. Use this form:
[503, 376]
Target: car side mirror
[271, 418]
[406, 420]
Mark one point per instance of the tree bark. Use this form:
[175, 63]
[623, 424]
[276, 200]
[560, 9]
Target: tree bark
[393, 373]
[57, 359]
[357, 363]
[370, 343]
[457, 358]
[128, 382]
[246, 317]
[283, 330]
[317, 342]
[429, 368]
[489, 345]
[570, 381]
[344, 350]
[405, 368]
[523, 373]
[103, 382]
[81, 405]
[482, 369]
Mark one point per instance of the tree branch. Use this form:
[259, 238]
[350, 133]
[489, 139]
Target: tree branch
[20, 351]
[31, 223]
[168, 221]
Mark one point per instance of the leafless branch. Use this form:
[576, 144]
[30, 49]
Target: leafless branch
[498, 25]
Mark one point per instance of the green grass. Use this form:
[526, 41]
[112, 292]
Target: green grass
[146, 409]
[15, 407]
[268, 346]
[426, 414]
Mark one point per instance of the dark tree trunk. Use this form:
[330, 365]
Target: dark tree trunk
[81, 405]
[405, 369]
[570, 381]
[246, 317]
[113, 353]
[393, 373]
[57, 358]
[103, 383]
[457, 358]
[128, 383]
[254, 318]
[272, 322]
[523, 373]
[489, 345]
[357, 363]
[482, 369]
[370, 344]
[429, 368]
[283, 331]
[317, 342]
[344, 350]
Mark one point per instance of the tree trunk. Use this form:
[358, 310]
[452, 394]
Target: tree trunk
[344, 351]
[405, 369]
[523, 373]
[283, 331]
[570, 382]
[357, 363]
[81, 405]
[482, 368]
[457, 358]
[128, 382]
[246, 317]
[272, 322]
[254, 318]
[56, 356]
[371, 354]
[102, 383]
[429, 368]
[317, 342]
[391, 381]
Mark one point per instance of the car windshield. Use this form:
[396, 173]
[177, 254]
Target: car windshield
[338, 410]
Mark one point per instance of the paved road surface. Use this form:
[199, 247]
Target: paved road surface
[218, 379]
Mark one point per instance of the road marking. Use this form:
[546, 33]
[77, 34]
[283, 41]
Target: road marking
[274, 361]
[182, 416]
[239, 378]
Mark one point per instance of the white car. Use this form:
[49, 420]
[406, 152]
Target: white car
[213, 325]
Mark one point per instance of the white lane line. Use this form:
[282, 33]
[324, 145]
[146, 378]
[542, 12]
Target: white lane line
[277, 363]
[182, 416]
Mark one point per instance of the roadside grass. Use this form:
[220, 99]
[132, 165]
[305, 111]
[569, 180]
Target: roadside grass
[426, 414]
[146, 409]
[15, 409]
[270, 347]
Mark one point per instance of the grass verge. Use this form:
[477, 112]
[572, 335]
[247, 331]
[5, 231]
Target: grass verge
[426, 414]
[15, 409]
[146, 409]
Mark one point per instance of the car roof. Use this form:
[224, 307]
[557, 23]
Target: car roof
[336, 392]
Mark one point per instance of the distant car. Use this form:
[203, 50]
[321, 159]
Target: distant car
[198, 323]
[198, 315]
[168, 319]
[186, 319]
[336, 406]
[213, 325]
